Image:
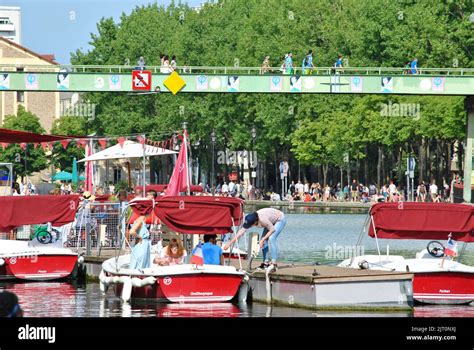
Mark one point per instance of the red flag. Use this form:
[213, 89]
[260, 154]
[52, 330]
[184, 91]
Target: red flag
[23, 145]
[4, 144]
[44, 145]
[64, 143]
[103, 143]
[35, 145]
[141, 139]
[179, 178]
[121, 141]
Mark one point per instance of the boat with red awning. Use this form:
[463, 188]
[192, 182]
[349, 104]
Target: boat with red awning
[36, 260]
[186, 283]
[438, 278]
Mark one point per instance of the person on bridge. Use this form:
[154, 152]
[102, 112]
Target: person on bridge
[289, 63]
[308, 63]
[414, 66]
[273, 221]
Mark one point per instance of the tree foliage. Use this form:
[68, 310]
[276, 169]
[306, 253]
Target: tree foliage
[314, 129]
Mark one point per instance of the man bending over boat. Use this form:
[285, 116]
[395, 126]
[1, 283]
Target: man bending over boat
[273, 221]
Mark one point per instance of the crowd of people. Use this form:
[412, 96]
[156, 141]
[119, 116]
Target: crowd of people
[286, 65]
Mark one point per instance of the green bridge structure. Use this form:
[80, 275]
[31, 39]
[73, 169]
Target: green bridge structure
[234, 80]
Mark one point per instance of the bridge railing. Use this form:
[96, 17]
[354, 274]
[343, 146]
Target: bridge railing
[118, 69]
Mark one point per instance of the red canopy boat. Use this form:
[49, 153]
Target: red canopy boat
[186, 282]
[438, 279]
[38, 259]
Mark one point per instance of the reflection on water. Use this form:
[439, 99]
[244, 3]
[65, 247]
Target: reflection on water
[62, 299]
[307, 239]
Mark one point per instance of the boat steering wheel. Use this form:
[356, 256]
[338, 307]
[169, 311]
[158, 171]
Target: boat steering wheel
[435, 249]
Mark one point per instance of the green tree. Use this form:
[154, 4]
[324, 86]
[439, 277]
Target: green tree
[30, 160]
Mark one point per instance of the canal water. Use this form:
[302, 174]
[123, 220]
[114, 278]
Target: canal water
[312, 238]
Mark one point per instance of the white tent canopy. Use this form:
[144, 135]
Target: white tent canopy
[130, 149]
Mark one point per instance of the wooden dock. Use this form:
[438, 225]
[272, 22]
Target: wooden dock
[314, 286]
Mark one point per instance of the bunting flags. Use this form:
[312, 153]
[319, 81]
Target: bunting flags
[82, 142]
[103, 143]
[121, 141]
[64, 143]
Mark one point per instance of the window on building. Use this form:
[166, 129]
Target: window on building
[20, 96]
[117, 175]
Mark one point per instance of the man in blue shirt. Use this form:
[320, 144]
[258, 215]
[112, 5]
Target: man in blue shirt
[308, 63]
[414, 66]
[211, 253]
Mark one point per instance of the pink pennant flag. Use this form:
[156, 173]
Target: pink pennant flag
[141, 139]
[35, 145]
[121, 141]
[103, 143]
[44, 145]
[23, 145]
[64, 143]
[4, 145]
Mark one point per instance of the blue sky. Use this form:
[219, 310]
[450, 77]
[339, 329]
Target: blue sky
[61, 26]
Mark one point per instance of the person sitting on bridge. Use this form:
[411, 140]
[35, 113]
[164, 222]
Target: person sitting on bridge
[265, 65]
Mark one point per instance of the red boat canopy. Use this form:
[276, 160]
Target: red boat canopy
[27, 210]
[194, 214]
[15, 136]
[423, 221]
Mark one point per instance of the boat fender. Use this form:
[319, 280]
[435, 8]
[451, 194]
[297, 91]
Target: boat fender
[104, 282]
[137, 282]
[2, 262]
[127, 288]
[123, 279]
[363, 265]
[246, 278]
[80, 260]
[150, 280]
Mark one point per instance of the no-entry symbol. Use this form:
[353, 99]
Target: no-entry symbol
[141, 80]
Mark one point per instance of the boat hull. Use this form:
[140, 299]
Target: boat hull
[188, 288]
[38, 267]
[443, 287]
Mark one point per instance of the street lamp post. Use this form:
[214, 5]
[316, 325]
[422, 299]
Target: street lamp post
[254, 136]
[213, 140]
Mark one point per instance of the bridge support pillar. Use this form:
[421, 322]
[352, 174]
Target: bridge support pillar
[469, 105]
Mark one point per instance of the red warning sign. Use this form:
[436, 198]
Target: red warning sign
[141, 80]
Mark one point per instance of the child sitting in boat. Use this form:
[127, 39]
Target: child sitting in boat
[172, 254]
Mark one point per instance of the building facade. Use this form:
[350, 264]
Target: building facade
[10, 23]
[45, 105]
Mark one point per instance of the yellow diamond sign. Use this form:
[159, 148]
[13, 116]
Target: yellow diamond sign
[174, 83]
